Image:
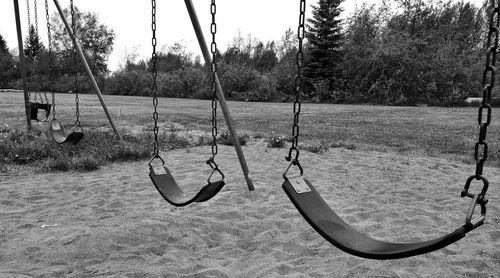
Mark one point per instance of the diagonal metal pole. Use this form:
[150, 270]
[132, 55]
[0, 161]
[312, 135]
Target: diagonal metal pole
[22, 64]
[87, 68]
[220, 94]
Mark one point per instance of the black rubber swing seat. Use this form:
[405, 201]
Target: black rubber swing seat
[330, 226]
[172, 193]
[34, 107]
[63, 136]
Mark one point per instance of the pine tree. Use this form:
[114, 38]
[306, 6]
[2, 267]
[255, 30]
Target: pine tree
[3, 45]
[324, 36]
[6, 64]
[32, 44]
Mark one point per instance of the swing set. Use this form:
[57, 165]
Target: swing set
[300, 191]
[33, 105]
[314, 209]
[38, 101]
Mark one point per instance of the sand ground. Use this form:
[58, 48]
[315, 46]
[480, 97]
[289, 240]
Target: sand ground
[113, 223]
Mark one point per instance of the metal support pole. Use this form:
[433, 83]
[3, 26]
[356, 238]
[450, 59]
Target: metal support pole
[87, 68]
[220, 93]
[22, 64]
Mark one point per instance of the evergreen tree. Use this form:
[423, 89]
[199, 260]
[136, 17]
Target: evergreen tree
[324, 35]
[3, 45]
[6, 64]
[32, 44]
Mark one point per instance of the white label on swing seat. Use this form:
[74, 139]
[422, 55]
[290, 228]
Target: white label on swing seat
[56, 125]
[159, 170]
[299, 184]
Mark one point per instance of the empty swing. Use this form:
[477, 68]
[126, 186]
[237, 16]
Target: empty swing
[37, 102]
[60, 134]
[338, 232]
[160, 175]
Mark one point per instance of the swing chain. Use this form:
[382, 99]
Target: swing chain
[213, 67]
[36, 62]
[35, 59]
[28, 11]
[77, 83]
[36, 17]
[154, 58]
[298, 86]
[484, 119]
[51, 60]
[30, 77]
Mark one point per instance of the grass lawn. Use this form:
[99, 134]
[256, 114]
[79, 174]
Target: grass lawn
[428, 131]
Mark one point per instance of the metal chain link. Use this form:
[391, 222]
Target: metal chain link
[51, 60]
[36, 17]
[28, 11]
[75, 62]
[213, 67]
[29, 26]
[481, 147]
[484, 119]
[36, 62]
[154, 58]
[298, 86]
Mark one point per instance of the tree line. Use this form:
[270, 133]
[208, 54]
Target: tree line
[56, 67]
[399, 52]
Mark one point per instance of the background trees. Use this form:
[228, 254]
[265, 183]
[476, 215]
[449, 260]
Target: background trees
[32, 44]
[324, 39]
[6, 64]
[424, 54]
[398, 52]
[95, 39]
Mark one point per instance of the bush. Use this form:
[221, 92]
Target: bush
[134, 82]
[276, 142]
[236, 78]
[225, 138]
[85, 164]
[189, 82]
[58, 164]
[97, 148]
[127, 153]
[317, 149]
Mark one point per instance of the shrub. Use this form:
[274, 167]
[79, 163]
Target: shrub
[343, 144]
[236, 78]
[97, 148]
[133, 82]
[174, 141]
[190, 82]
[126, 153]
[59, 164]
[317, 148]
[225, 138]
[85, 164]
[276, 142]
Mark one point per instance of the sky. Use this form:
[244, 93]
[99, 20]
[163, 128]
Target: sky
[264, 20]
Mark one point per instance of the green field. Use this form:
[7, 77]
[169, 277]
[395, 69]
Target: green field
[427, 131]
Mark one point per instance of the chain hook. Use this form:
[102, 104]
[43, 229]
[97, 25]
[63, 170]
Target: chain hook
[477, 199]
[156, 156]
[294, 163]
[215, 168]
